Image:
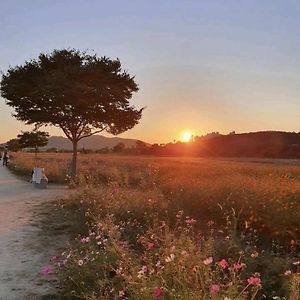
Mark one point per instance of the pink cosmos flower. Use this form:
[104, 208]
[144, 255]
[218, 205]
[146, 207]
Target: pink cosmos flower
[254, 280]
[208, 260]
[184, 253]
[144, 269]
[288, 273]
[296, 263]
[46, 270]
[210, 223]
[190, 221]
[214, 289]
[238, 266]
[121, 293]
[84, 240]
[150, 246]
[158, 292]
[53, 258]
[223, 264]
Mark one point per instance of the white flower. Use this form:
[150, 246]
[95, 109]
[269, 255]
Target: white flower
[80, 262]
[170, 258]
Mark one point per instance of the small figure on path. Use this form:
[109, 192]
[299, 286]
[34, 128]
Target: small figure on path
[5, 158]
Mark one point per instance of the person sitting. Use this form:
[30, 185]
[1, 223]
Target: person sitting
[39, 178]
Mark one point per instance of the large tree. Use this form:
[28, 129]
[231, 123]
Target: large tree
[80, 93]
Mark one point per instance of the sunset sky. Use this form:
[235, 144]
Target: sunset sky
[201, 66]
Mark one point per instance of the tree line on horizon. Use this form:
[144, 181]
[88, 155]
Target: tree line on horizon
[268, 144]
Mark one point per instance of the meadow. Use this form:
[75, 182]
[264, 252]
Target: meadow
[177, 228]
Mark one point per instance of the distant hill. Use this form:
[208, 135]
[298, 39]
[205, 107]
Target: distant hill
[268, 144]
[94, 142]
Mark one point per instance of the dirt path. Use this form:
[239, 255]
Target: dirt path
[21, 258]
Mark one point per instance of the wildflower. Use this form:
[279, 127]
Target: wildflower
[179, 214]
[124, 244]
[190, 221]
[296, 263]
[238, 266]
[195, 268]
[84, 240]
[254, 280]
[150, 246]
[210, 223]
[46, 270]
[208, 260]
[170, 258]
[223, 264]
[121, 293]
[254, 254]
[142, 271]
[288, 272]
[53, 258]
[184, 253]
[173, 248]
[80, 262]
[214, 289]
[162, 225]
[158, 292]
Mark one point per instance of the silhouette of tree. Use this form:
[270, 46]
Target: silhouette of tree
[33, 139]
[80, 93]
[13, 145]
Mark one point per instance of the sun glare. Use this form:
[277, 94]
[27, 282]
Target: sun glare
[186, 136]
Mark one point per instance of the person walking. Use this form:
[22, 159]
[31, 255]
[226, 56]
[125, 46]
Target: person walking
[5, 158]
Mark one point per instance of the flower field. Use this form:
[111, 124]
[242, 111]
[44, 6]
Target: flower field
[177, 228]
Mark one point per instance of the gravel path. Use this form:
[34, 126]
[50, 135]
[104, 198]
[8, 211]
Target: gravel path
[21, 258]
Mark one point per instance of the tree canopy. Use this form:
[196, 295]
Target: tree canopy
[13, 145]
[33, 139]
[80, 93]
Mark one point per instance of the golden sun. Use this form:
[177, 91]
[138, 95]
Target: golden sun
[186, 136]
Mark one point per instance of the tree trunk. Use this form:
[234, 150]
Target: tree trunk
[35, 153]
[74, 159]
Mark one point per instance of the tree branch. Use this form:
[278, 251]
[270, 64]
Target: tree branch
[92, 133]
[66, 133]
